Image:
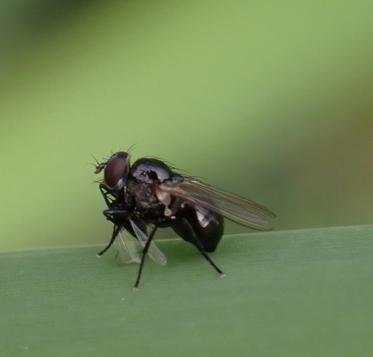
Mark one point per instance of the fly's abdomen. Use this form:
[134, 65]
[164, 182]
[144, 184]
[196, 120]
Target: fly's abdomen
[200, 225]
[210, 228]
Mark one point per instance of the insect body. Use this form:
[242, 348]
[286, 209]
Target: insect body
[150, 193]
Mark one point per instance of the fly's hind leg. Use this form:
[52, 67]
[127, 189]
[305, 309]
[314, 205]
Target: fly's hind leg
[185, 229]
[199, 246]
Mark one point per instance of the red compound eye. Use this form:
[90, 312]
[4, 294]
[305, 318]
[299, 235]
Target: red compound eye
[116, 171]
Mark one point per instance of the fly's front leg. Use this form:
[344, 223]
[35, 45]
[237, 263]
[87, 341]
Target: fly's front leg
[116, 230]
[119, 218]
[105, 193]
[116, 215]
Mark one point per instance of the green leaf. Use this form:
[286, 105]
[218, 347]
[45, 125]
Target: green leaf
[286, 293]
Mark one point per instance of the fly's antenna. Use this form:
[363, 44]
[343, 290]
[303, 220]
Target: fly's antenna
[99, 166]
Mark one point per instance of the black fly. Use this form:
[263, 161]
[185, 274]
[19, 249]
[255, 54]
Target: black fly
[149, 193]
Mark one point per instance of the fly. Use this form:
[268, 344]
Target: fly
[149, 193]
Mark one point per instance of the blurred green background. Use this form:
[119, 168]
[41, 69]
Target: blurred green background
[271, 100]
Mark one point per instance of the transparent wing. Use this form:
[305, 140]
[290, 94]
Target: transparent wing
[128, 249]
[233, 207]
[154, 252]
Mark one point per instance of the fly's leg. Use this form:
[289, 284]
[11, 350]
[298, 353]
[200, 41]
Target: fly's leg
[105, 193]
[116, 230]
[117, 216]
[199, 246]
[185, 228]
[111, 213]
[145, 250]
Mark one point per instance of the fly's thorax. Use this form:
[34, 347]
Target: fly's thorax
[145, 176]
[142, 194]
[150, 171]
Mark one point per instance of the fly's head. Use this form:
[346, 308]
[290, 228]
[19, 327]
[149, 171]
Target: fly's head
[116, 170]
